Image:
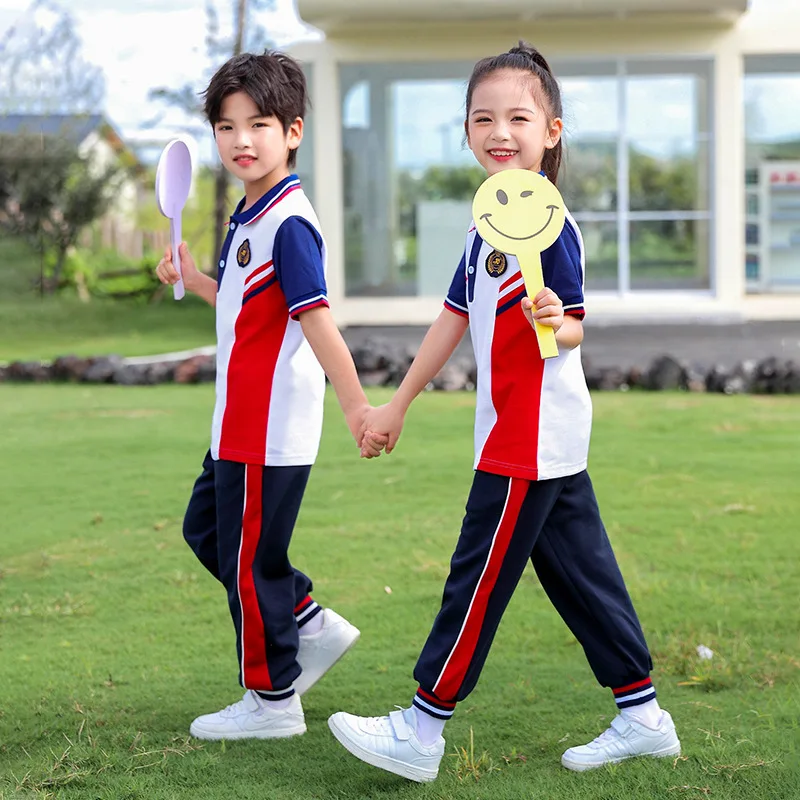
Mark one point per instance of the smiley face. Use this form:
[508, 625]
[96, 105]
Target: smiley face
[518, 211]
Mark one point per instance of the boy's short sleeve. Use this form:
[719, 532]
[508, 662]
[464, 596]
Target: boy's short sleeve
[562, 270]
[456, 300]
[297, 257]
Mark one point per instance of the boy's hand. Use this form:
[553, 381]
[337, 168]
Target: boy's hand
[168, 274]
[382, 425]
[549, 310]
[355, 421]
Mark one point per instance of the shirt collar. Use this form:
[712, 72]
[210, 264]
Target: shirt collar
[264, 203]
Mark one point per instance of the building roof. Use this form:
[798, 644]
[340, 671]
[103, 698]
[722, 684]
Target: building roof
[76, 126]
[338, 15]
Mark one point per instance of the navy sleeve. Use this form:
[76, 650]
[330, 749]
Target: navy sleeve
[456, 300]
[297, 256]
[562, 269]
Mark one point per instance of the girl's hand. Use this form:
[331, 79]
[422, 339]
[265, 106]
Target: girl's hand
[546, 309]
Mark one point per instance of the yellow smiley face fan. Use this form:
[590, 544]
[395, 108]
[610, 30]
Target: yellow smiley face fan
[521, 213]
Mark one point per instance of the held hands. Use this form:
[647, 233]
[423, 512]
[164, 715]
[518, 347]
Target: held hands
[546, 309]
[381, 428]
[167, 273]
[370, 444]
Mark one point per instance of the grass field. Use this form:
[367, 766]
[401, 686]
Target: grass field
[113, 637]
[41, 328]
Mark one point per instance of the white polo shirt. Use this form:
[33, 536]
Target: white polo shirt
[270, 386]
[533, 417]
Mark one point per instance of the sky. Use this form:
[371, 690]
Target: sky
[141, 44]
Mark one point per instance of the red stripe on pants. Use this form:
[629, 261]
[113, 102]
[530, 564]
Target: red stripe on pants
[255, 674]
[457, 664]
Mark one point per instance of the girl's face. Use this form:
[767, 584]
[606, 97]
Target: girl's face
[506, 127]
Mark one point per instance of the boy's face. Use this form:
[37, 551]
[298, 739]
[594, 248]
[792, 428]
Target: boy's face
[252, 147]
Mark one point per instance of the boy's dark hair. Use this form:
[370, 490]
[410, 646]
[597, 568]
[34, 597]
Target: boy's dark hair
[274, 81]
[526, 58]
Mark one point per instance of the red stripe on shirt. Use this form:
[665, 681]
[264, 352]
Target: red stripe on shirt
[255, 673]
[512, 445]
[460, 312]
[258, 271]
[259, 334]
[455, 669]
[515, 277]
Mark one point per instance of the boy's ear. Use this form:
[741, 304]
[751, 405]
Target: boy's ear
[295, 134]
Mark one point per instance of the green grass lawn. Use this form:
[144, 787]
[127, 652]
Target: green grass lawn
[113, 637]
[41, 328]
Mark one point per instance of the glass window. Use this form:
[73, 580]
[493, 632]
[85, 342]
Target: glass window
[409, 178]
[772, 172]
[669, 254]
[636, 173]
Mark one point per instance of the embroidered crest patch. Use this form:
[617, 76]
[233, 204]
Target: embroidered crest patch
[496, 263]
[243, 254]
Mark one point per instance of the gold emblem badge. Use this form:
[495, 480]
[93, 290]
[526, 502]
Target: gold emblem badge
[243, 254]
[496, 263]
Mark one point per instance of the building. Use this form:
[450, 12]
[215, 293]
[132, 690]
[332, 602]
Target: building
[683, 149]
[99, 142]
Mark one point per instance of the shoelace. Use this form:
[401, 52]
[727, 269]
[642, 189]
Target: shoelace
[377, 725]
[606, 737]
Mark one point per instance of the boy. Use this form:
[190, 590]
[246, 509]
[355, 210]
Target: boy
[275, 336]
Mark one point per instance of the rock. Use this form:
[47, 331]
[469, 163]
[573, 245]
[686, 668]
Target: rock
[792, 378]
[716, 379]
[741, 379]
[635, 378]
[102, 369]
[70, 368]
[606, 379]
[132, 375]
[769, 376]
[378, 377]
[28, 372]
[161, 372]
[452, 378]
[189, 371]
[665, 374]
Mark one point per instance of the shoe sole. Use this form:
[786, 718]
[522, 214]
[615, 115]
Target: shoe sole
[577, 766]
[382, 762]
[301, 686]
[214, 736]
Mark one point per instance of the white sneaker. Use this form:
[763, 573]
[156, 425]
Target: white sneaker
[625, 739]
[251, 718]
[319, 651]
[390, 743]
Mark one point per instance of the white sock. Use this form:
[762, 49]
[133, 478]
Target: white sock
[429, 728]
[314, 625]
[278, 705]
[648, 713]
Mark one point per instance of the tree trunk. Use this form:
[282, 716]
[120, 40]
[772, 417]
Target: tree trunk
[241, 16]
[220, 214]
[221, 184]
[51, 283]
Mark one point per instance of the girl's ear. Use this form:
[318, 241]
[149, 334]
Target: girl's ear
[466, 133]
[554, 131]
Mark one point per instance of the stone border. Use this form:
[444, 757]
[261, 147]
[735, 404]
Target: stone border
[382, 362]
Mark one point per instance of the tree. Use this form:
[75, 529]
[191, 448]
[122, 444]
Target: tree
[246, 37]
[49, 192]
[41, 67]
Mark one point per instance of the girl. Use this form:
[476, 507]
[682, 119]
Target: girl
[531, 497]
